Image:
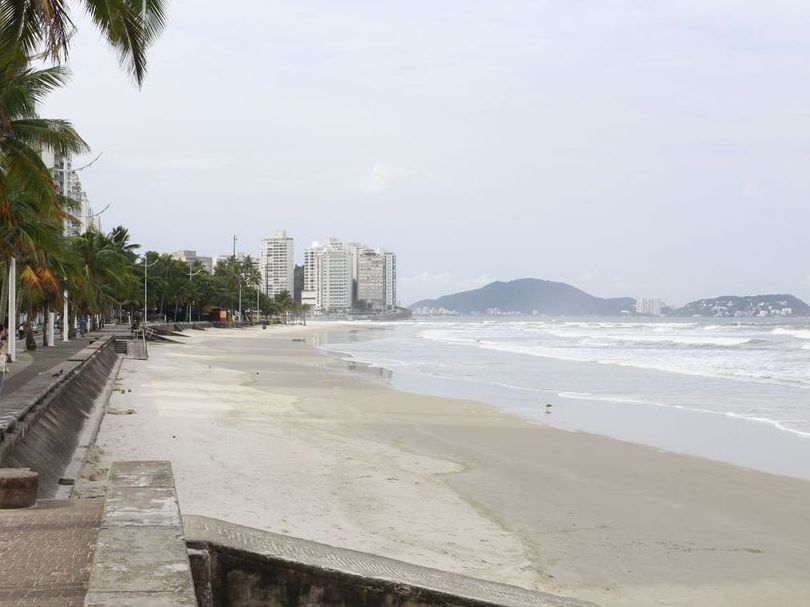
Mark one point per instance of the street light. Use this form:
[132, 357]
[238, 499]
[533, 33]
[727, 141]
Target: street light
[200, 271]
[146, 267]
[238, 279]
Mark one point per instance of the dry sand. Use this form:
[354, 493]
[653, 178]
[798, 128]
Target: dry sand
[263, 430]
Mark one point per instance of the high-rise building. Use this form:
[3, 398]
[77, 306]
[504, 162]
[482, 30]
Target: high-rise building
[327, 277]
[277, 263]
[649, 307]
[67, 183]
[371, 279]
[390, 294]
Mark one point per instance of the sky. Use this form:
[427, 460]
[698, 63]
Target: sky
[627, 147]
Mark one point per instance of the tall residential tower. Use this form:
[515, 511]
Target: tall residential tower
[277, 263]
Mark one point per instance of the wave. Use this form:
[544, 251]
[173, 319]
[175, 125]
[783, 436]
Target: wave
[800, 333]
[623, 340]
[606, 399]
[779, 424]
[771, 422]
[701, 367]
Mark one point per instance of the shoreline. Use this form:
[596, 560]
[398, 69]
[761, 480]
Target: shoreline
[289, 445]
[721, 436]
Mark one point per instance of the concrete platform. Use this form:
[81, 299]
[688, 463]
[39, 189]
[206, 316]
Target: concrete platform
[141, 557]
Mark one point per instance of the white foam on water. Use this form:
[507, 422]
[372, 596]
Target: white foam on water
[800, 333]
[767, 353]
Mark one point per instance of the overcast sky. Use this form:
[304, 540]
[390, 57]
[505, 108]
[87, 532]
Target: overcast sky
[628, 147]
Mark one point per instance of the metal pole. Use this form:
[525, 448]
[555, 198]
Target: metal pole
[65, 316]
[145, 270]
[12, 307]
[234, 269]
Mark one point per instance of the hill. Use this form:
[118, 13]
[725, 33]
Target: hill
[749, 305]
[527, 295]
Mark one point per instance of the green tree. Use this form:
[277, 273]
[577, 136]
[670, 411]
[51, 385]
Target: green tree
[30, 208]
[102, 275]
[285, 303]
[44, 27]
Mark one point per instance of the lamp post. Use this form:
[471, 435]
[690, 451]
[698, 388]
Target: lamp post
[65, 315]
[189, 284]
[238, 281]
[146, 267]
[12, 307]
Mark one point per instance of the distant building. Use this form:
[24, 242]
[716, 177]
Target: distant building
[390, 295]
[217, 259]
[190, 257]
[327, 277]
[649, 307]
[277, 263]
[376, 278]
[371, 279]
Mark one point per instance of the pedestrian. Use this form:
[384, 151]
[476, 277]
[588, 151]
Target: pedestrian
[21, 330]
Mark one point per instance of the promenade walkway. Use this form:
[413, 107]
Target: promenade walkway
[46, 552]
[29, 364]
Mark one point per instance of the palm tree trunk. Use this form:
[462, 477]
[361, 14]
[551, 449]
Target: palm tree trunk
[30, 342]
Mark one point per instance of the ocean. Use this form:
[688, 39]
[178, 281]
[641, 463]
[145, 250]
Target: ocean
[733, 390]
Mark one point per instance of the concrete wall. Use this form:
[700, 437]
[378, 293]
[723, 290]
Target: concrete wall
[237, 566]
[42, 421]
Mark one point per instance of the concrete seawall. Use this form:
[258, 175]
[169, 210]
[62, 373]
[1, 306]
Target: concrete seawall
[41, 423]
[243, 567]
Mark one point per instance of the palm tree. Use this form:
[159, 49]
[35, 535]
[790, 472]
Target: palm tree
[27, 194]
[251, 276]
[31, 27]
[104, 272]
[38, 289]
[285, 302]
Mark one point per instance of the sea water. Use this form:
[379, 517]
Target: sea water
[733, 390]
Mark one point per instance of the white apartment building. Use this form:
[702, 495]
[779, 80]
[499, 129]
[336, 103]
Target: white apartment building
[649, 307]
[67, 183]
[328, 277]
[277, 263]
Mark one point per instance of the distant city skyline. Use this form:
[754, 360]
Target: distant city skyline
[629, 148]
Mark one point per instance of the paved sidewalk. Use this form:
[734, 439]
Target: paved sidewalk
[29, 364]
[46, 552]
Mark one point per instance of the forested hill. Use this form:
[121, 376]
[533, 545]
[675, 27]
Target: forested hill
[528, 295]
[749, 305]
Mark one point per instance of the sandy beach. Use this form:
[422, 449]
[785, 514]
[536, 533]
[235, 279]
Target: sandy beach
[264, 430]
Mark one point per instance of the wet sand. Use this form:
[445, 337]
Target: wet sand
[265, 431]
